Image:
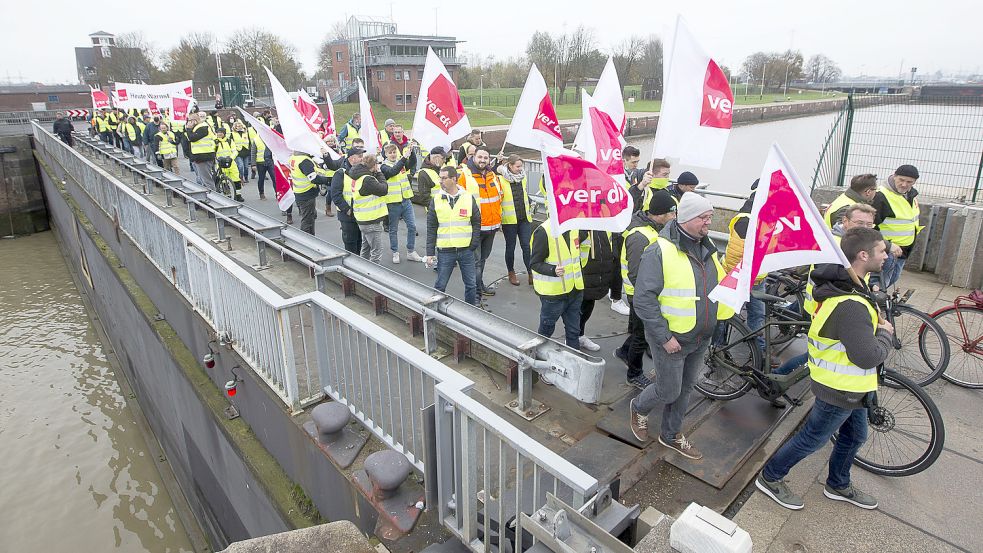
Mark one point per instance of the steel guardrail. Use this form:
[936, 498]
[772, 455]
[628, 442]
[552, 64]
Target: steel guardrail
[572, 371]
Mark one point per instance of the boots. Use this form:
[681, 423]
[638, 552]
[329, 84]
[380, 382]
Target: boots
[290, 218]
[513, 280]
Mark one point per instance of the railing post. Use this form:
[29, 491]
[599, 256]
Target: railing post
[444, 419]
[979, 175]
[846, 140]
[289, 363]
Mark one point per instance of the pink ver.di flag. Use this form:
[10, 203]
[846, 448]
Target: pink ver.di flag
[607, 100]
[534, 123]
[697, 105]
[281, 157]
[785, 230]
[581, 196]
[309, 110]
[99, 99]
[600, 139]
[370, 129]
[180, 105]
[440, 118]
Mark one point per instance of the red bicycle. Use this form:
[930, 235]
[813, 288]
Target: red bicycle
[962, 322]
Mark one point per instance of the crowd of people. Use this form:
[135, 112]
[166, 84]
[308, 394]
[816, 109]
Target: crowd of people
[658, 272]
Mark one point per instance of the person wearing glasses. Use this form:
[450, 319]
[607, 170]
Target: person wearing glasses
[453, 231]
[675, 277]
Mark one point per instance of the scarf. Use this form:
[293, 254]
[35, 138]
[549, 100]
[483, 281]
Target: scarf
[513, 177]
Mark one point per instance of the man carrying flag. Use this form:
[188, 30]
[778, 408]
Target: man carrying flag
[674, 280]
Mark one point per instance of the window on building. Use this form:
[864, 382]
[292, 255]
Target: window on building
[337, 55]
[399, 99]
[53, 98]
[107, 52]
[398, 74]
[380, 75]
[419, 74]
[409, 99]
[406, 75]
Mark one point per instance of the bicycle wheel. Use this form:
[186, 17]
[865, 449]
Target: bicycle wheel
[922, 351]
[906, 434]
[966, 356]
[723, 378]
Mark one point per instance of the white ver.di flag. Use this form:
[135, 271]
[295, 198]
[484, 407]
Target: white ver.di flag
[534, 123]
[440, 118]
[601, 140]
[296, 133]
[785, 230]
[608, 100]
[370, 129]
[281, 154]
[697, 105]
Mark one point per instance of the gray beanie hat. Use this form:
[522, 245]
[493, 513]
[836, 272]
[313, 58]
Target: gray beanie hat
[691, 206]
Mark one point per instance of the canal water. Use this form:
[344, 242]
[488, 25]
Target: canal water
[75, 473]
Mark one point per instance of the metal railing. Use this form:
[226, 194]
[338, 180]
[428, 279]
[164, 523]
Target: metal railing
[384, 381]
[942, 136]
[486, 472]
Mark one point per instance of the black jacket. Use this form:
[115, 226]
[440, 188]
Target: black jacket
[309, 168]
[423, 182]
[636, 243]
[63, 127]
[850, 324]
[601, 267]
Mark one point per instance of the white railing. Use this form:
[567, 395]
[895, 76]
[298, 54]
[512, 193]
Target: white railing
[312, 344]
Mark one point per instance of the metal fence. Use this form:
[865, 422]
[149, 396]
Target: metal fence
[942, 136]
[486, 467]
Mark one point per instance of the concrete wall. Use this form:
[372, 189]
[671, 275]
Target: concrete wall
[22, 209]
[256, 475]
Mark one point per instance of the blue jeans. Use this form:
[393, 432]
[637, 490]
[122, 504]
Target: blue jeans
[520, 232]
[262, 170]
[756, 314]
[481, 254]
[566, 306]
[445, 266]
[404, 211]
[243, 164]
[792, 364]
[891, 272]
[823, 421]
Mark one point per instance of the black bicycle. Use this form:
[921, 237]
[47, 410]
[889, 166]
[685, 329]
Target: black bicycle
[906, 431]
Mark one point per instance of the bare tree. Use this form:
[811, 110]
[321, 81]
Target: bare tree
[627, 56]
[822, 69]
[131, 60]
[193, 58]
[257, 49]
[650, 67]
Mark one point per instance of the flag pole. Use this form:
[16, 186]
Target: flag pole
[563, 279]
[854, 277]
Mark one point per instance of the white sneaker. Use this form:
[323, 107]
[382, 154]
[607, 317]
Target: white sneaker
[620, 306]
[395, 257]
[588, 344]
[413, 256]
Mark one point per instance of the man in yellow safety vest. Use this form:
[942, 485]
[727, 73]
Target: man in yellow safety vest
[847, 341]
[557, 278]
[675, 277]
[897, 218]
[453, 229]
[862, 190]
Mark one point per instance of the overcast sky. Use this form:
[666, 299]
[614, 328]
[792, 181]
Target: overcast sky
[873, 37]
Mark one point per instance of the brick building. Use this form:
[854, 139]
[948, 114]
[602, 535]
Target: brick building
[102, 62]
[27, 97]
[389, 64]
[394, 67]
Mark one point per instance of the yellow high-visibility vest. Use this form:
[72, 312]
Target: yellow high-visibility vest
[205, 144]
[841, 201]
[652, 236]
[902, 228]
[509, 215]
[453, 223]
[678, 298]
[654, 185]
[367, 208]
[260, 145]
[563, 253]
[240, 140]
[828, 361]
[399, 185]
[299, 182]
[166, 144]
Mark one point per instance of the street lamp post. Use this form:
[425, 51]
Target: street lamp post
[761, 93]
[481, 90]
